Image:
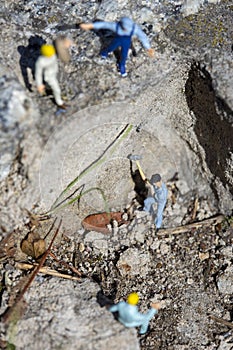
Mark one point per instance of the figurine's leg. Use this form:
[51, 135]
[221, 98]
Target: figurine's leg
[148, 317]
[124, 55]
[53, 83]
[159, 214]
[148, 205]
[113, 46]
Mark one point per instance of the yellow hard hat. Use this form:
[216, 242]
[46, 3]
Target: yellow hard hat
[47, 50]
[133, 299]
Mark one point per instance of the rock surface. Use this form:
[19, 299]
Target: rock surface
[176, 111]
[77, 318]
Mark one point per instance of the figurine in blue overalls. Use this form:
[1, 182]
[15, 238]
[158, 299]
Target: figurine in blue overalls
[129, 315]
[124, 30]
[158, 195]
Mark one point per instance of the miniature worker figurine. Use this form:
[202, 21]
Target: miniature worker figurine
[46, 70]
[159, 196]
[129, 315]
[124, 30]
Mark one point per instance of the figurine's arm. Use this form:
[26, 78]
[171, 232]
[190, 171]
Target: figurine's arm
[113, 308]
[150, 188]
[39, 76]
[156, 306]
[99, 25]
[86, 26]
[143, 38]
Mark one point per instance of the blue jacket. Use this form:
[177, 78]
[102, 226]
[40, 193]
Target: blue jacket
[161, 193]
[129, 25]
[129, 315]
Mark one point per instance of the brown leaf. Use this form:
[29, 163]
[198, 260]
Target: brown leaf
[33, 245]
[27, 248]
[39, 248]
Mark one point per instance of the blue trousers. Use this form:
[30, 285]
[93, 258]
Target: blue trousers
[148, 206]
[124, 42]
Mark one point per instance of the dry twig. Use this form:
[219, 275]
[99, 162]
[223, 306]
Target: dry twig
[46, 270]
[189, 227]
[221, 320]
[70, 267]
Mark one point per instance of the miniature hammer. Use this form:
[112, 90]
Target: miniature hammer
[135, 157]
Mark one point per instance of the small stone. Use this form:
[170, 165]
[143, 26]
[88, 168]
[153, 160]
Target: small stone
[81, 247]
[125, 216]
[164, 248]
[204, 256]
[155, 245]
[114, 223]
[109, 227]
[190, 281]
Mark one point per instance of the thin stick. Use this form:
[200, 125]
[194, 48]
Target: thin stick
[194, 225]
[72, 268]
[221, 320]
[45, 270]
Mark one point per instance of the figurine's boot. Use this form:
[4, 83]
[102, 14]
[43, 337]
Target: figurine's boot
[63, 106]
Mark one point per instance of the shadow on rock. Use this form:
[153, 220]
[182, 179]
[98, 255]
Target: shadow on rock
[29, 55]
[140, 186]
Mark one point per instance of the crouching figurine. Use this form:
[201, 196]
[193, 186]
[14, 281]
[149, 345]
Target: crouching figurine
[129, 315]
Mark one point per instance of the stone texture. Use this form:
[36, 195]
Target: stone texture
[69, 320]
[180, 105]
[225, 281]
[133, 262]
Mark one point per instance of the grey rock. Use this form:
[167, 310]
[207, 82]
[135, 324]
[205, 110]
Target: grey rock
[63, 314]
[15, 112]
[15, 105]
[225, 281]
[179, 98]
[93, 236]
[227, 251]
[133, 262]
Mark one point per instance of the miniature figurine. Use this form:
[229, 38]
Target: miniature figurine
[158, 195]
[46, 70]
[129, 315]
[124, 30]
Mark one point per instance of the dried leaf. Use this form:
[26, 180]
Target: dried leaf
[39, 248]
[9, 313]
[33, 245]
[27, 248]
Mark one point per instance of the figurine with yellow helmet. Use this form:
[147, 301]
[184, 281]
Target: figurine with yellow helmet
[46, 71]
[129, 315]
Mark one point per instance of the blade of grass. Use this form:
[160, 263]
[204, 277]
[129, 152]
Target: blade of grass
[112, 147]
